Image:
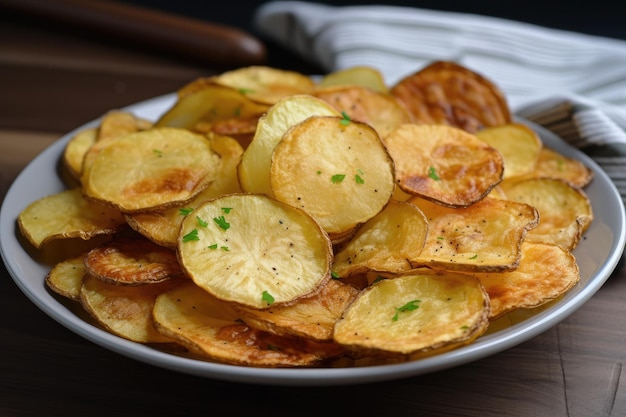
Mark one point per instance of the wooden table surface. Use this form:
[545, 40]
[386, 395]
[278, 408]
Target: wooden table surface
[52, 82]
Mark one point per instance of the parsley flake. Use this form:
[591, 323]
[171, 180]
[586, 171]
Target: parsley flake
[158, 152]
[334, 275]
[474, 257]
[410, 306]
[359, 179]
[193, 235]
[202, 222]
[267, 297]
[213, 246]
[345, 119]
[337, 178]
[221, 222]
[226, 209]
[433, 174]
[183, 211]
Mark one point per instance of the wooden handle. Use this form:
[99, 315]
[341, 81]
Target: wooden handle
[203, 41]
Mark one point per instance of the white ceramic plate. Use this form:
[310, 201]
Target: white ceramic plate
[597, 254]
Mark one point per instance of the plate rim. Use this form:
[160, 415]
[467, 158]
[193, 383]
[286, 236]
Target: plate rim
[486, 346]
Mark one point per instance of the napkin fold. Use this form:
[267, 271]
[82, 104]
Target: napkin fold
[573, 84]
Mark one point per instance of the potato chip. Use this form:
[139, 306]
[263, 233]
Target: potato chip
[153, 169]
[264, 84]
[162, 226]
[385, 243]
[336, 170]
[565, 211]
[66, 277]
[67, 215]
[380, 110]
[123, 310]
[312, 317]
[415, 314]
[362, 75]
[76, 148]
[444, 164]
[210, 327]
[132, 261]
[519, 145]
[553, 164]
[448, 93]
[254, 169]
[545, 273]
[254, 250]
[209, 104]
[485, 236]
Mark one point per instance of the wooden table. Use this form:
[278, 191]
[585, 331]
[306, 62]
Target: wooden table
[52, 82]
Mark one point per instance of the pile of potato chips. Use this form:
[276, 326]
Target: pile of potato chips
[268, 219]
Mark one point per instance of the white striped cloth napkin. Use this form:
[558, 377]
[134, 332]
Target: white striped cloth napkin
[571, 83]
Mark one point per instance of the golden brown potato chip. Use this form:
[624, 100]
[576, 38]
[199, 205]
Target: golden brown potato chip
[152, 169]
[209, 104]
[67, 215]
[565, 210]
[519, 145]
[485, 236]
[211, 328]
[444, 164]
[253, 250]
[415, 314]
[545, 273]
[66, 277]
[448, 93]
[254, 169]
[132, 261]
[311, 317]
[336, 170]
[385, 243]
[162, 226]
[264, 84]
[362, 75]
[553, 164]
[240, 128]
[380, 110]
[76, 148]
[123, 310]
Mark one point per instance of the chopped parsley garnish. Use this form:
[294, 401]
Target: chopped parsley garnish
[359, 179]
[158, 152]
[183, 211]
[433, 174]
[345, 119]
[337, 178]
[213, 246]
[474, 257]
[267, 297]
[334, 275]
[201, 222]
[410, 306]
[193, 235]
[226, 209]
[246, 90]
[221, 222]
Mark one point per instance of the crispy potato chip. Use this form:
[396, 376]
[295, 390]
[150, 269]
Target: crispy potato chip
[75, 150]
[385, 243]
[209, 104]
[362, 75]
[448, 93]
[444, 164]
[254, 250]
[211, 328]
[545, 273]
[553, 164]
[485, 236]
[519, 145]
[415, 314]
[565, 210]
[338, 172]
[240, 128]
[162, 226]
[67, 215]
[380, 110]
[132, 261]
[254, 169]
[123, 310]
[264, 84]
[311, 317]
[153, 169]
[66, 277]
